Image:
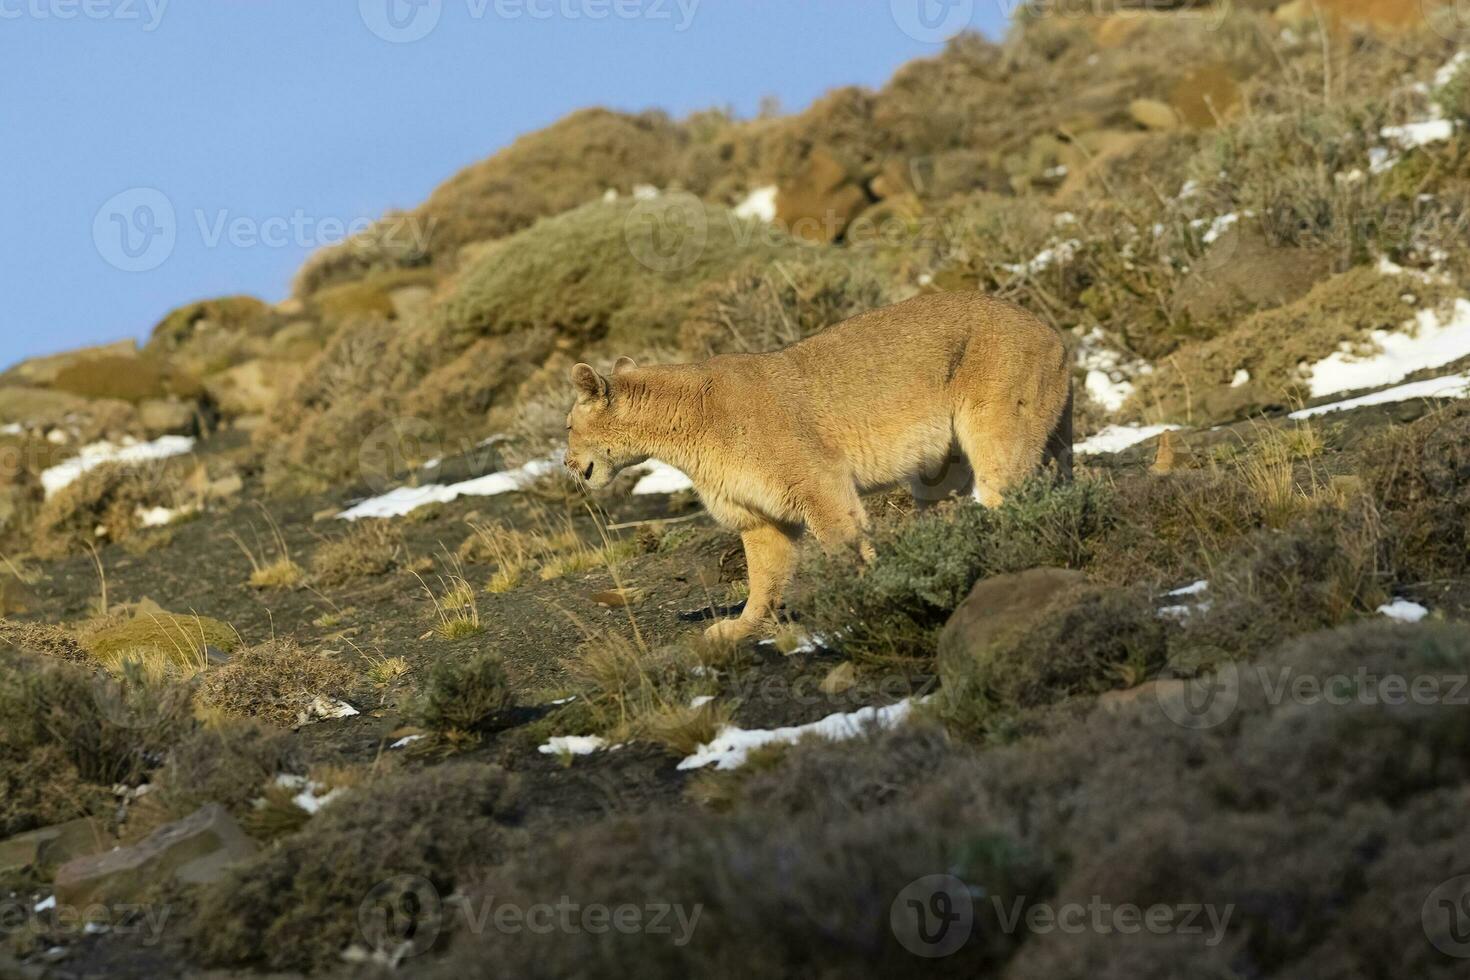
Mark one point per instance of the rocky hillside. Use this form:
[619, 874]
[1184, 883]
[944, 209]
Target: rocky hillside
[314, 663]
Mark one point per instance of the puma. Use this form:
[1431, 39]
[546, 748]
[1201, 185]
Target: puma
[785, 442]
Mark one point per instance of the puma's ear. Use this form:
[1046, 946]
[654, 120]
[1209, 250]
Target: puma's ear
[590, 385]
[623, 364]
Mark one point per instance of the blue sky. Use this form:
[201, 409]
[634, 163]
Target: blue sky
[230, 137]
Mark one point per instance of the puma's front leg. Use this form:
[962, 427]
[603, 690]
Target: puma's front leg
[770, 554]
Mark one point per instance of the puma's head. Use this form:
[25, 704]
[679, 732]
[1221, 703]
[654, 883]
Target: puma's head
[598, 443]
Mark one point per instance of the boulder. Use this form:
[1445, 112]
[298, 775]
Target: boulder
[1205, 96]
[166, 416]
[251, 388]
[1153, 114]
[1242, 272]
[193, 851]
[819, 202]
[995, 607]
[50, 847]
[44, 370]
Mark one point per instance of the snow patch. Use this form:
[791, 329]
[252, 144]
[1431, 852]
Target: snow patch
[572, 745]
[1449, 386]
[662, 478]
[406, 741]
[1241, 377]
[1046, 258]
[729, 748]
[1116, 438]
[759, 204]
[1109, 370]
[130, 453]
[1193, 588]
[1427, 341]
[1412, 135]
[1403, 610]
[404, 500]
[159, 516]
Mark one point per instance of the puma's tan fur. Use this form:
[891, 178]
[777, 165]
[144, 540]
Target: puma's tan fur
[783, 442]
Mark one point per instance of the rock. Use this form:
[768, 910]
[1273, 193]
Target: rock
[891, 181]
[51, 847]
[618, 598]
[194, 851]
[1242, 272]
[820, 201]
[252, 388]
[996, 606]
[1166, 460]
[44, 370]
[839, 679]
[1205, 96]
[164, 417]
[410, 301]
[1153, 114]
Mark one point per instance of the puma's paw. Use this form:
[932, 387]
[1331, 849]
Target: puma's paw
[729, 631]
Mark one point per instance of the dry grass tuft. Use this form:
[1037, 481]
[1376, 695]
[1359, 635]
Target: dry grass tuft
[277, 682]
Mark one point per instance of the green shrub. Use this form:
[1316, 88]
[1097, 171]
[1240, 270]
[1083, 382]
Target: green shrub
[1420, 474]
[296, 906]
[598, 271]
[927, 564]
[70, 735]
[228, 763]
[464, 694]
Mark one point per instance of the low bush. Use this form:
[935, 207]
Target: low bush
[369, 549]
[302, 903]
[70, 735]
[1420, 475]
[277, 682]
[228, 763]
[108, 497]
[464, 694]
[928, 563]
